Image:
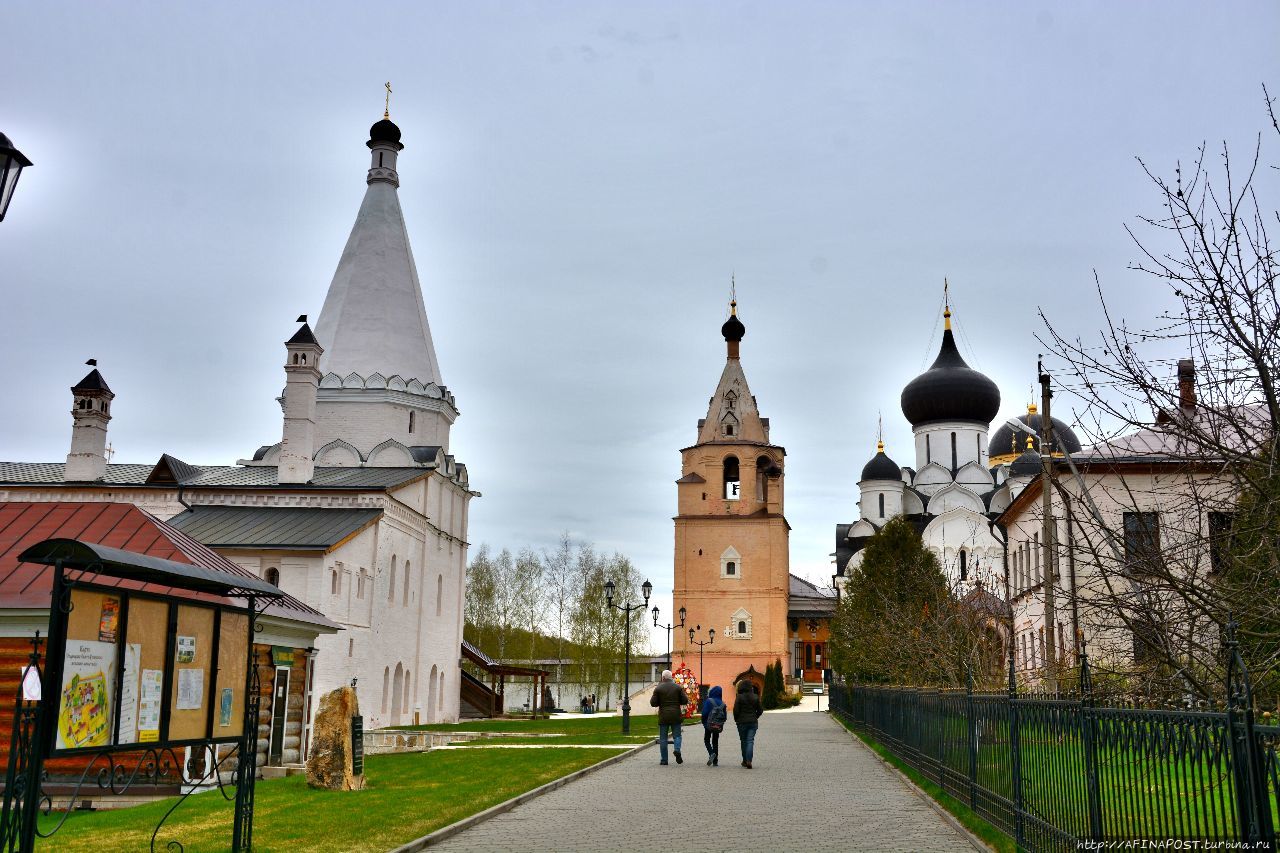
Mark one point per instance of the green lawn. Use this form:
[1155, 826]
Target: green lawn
[408, 795]
[557, 739]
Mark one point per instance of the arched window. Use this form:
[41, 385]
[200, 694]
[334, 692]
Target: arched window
[391, 587]
[928, 449]
[405, 707]
[964, 566]
[406, 583]
[397, 692]
[731, 563]
[732, 478]
[954, 456]
[742, 626]
[439, 593]
[762, 478]
[882, 504]
[386, 683]
[273, 576]
[360, 582]
[411, 422]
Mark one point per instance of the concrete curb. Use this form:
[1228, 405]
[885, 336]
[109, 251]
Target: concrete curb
[952, 820]
[453, 829]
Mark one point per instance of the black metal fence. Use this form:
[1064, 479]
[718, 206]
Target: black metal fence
[1051, 771]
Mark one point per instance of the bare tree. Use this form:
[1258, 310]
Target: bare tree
[558, 575]
[1174, 520]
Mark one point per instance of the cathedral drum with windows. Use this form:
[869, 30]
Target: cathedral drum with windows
[731, 539]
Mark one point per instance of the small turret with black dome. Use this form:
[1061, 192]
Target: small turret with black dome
[1028, 463]
[881, 467]
[950, 390]
[385, 130]
[733, 329]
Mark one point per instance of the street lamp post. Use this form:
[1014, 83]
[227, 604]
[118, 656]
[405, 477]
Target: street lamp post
[711, 632]
[12, 162]
[627, 609]
[668, 628]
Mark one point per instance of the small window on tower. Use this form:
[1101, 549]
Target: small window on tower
[732, 479]
[742, 626]
[882, 504]
[273, 577]
[728, 429]
[730, 568]
[411, 414]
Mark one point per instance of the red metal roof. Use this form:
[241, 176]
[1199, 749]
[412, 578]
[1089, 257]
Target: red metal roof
[116, 525]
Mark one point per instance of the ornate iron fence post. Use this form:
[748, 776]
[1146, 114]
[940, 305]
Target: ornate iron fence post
[972, 720]
[247, 762]
[1015, 759]
[1253, 811]
[1093, 794]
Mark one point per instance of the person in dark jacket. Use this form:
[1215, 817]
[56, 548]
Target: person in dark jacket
[712, 705]
[746, 713]
[669, 698]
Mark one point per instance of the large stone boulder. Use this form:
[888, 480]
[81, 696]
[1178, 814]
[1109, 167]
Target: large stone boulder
[330, 763]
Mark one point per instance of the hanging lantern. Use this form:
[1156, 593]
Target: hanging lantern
[12, 162]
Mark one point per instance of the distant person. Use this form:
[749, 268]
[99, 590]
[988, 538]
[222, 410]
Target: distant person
[746, 713]
[669, 698]
[714, 715]
[582, 703]
[592, 708]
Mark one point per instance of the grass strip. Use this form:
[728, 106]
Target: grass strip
[407, 796]
[991, 836]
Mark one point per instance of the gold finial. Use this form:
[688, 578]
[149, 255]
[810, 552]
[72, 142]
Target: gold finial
[1031, 408]
[733, 295]
[946, 303]
[1031, 443]
[879, 433]
[386, 112]
[879, 447]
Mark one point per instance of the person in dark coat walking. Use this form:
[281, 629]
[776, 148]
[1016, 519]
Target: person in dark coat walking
[713, 719]
[746, 713]
[669, 698]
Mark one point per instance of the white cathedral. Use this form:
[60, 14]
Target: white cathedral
[960, 482]
[359, 510]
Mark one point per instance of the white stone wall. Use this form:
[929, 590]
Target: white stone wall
[933, 443]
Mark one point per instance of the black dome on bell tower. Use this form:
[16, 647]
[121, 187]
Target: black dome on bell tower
[950, 390]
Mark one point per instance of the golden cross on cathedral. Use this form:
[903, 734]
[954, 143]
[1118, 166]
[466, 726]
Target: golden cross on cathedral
[386, 112]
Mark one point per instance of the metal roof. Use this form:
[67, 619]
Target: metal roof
[309, 528]
[27, 585]
[217, 476]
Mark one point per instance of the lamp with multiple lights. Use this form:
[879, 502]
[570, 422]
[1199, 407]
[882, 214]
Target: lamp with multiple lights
[627, 609]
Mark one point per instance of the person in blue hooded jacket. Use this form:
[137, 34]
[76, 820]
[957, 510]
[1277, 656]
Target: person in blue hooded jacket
[714, 714]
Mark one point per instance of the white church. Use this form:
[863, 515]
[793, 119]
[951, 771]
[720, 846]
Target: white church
[961, 480]
[359, 510]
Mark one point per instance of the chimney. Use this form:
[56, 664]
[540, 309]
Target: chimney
[1187, 384]
[90, 414]
[302, 383]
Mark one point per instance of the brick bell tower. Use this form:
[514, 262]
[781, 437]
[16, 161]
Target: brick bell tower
[731, 543]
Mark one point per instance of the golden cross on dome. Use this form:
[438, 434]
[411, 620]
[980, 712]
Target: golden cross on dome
[879, 433]
[386, 112]
[946, 302]
[733, 294]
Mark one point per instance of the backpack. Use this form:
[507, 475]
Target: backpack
[718, 716]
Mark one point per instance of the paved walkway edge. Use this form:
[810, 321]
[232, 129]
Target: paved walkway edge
[502, 808]
[947, 816]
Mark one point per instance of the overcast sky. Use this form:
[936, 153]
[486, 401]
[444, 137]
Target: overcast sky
[579, 181]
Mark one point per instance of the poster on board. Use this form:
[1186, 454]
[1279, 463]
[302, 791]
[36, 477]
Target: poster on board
[149, 706]
[129, 693]
[109, 619]
[186, 649]
[224, 709]
[190, 689]
[84, 703]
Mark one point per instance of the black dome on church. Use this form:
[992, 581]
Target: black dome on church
[881, 467]
[733, 330]
[950, 390]
[1007, 441]
[1026, 465]
[384, 130]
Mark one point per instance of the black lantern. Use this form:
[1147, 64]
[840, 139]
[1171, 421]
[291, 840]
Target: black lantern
[12, 162]
[608, 592]
[647, 588]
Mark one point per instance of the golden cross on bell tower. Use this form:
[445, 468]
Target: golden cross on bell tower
[386, 112]
[946, 302]
[733, 294]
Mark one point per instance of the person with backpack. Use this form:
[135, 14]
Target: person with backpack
[714, 715]
[746, 713]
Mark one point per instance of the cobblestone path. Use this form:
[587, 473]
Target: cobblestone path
[812, 787]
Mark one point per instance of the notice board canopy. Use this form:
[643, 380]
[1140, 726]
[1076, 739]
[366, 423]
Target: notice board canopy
[143, 568]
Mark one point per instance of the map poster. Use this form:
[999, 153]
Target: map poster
[84, 703]
[149, 705]
[129, 694]
[109, 620]
[224, 709]
[186, 649]
[190, 689]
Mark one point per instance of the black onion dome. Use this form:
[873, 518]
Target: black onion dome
[1006, 440]
[733, 330]
[1028, 464]
[950, 390]
[881, 467]
[385, 130]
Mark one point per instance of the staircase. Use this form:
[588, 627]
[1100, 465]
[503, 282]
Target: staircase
[478, 700]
